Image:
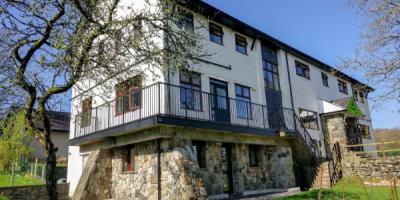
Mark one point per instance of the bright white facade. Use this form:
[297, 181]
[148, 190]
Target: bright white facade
[234, 68]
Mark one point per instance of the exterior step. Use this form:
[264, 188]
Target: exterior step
[322, 179]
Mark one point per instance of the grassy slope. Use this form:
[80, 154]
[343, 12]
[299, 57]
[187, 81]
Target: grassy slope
[19, 180]
[351, 189]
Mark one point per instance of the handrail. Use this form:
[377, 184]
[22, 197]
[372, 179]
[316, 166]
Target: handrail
[165, 99]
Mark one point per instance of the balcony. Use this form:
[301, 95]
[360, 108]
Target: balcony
[168, 104]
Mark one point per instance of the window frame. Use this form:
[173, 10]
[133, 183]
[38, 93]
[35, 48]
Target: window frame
[86, 112]
[241, 42]
[325, 79]
[201, 153]
[273, 74]
[239, 99]
[305, 70]
[304, 123]
[254, 150]
[216, 30]
[125, 92]
[365, 129]
[195, 88]
[342, 86]
[129, 160]
[186, 20]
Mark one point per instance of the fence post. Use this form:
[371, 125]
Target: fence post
[159, 98]
[43, 171]
[36, 161]
[95, 121]
[12, 174]
[31, 170]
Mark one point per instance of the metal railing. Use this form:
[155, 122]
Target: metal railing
[182, 102]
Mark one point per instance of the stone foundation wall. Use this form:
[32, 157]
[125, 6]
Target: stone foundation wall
[37, 192]
[274, 170]
[378, 170]
[181, 176]
[95, 182]
[179, 172]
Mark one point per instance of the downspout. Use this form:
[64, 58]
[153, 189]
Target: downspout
[290, 89]
[158, 169]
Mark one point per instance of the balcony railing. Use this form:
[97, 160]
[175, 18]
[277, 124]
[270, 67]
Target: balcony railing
[175, 101]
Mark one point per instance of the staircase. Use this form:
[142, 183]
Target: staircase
[322, 180]
[306, 154]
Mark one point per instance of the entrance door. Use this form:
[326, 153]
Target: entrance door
[226, 163]
[219, 101]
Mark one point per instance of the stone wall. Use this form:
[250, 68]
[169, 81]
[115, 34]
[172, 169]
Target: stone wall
[95, 182]
[275, 168]
[335, 130]
[376, 170]
[179, 172]
[37, 192]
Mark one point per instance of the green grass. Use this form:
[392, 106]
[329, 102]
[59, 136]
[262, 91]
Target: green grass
[20, 180]
[350, 189]
[3, 198]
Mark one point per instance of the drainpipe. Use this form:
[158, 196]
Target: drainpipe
[158, 169]
[290, 89]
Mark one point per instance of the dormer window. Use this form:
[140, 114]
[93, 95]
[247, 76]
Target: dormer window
[216, 33]
[241, 44]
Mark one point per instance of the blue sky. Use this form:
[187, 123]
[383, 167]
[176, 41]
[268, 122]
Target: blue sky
[327, 30]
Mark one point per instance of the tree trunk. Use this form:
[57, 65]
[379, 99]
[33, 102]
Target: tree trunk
[51, 182]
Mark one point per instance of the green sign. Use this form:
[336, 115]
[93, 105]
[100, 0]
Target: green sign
[353, 109]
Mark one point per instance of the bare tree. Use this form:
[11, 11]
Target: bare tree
[379, 55]
[48, 46]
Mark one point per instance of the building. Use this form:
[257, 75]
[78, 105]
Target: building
[59, 122]
[257, 116]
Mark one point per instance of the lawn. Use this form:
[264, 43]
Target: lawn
[20, 180]
[2, 198]
[348, 189]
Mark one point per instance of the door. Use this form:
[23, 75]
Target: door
[226, 164]
[219, 101]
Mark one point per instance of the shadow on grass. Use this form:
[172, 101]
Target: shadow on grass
[349, 189]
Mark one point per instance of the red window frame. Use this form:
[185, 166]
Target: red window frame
[127, 88]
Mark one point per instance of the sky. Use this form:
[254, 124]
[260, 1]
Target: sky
[328, 30]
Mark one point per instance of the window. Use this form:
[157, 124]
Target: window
[324, 79]
[243, 103]
[253, 155]
[86, 119]
[241, 44]
[216, 33]
[200, 152]
[191, 91]
[185, 20]
[302, 70]
[309, 119]
[365, 131]
[342, 86]
[271, 75]
[129, 160]
[128, 95]
[362, 97]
